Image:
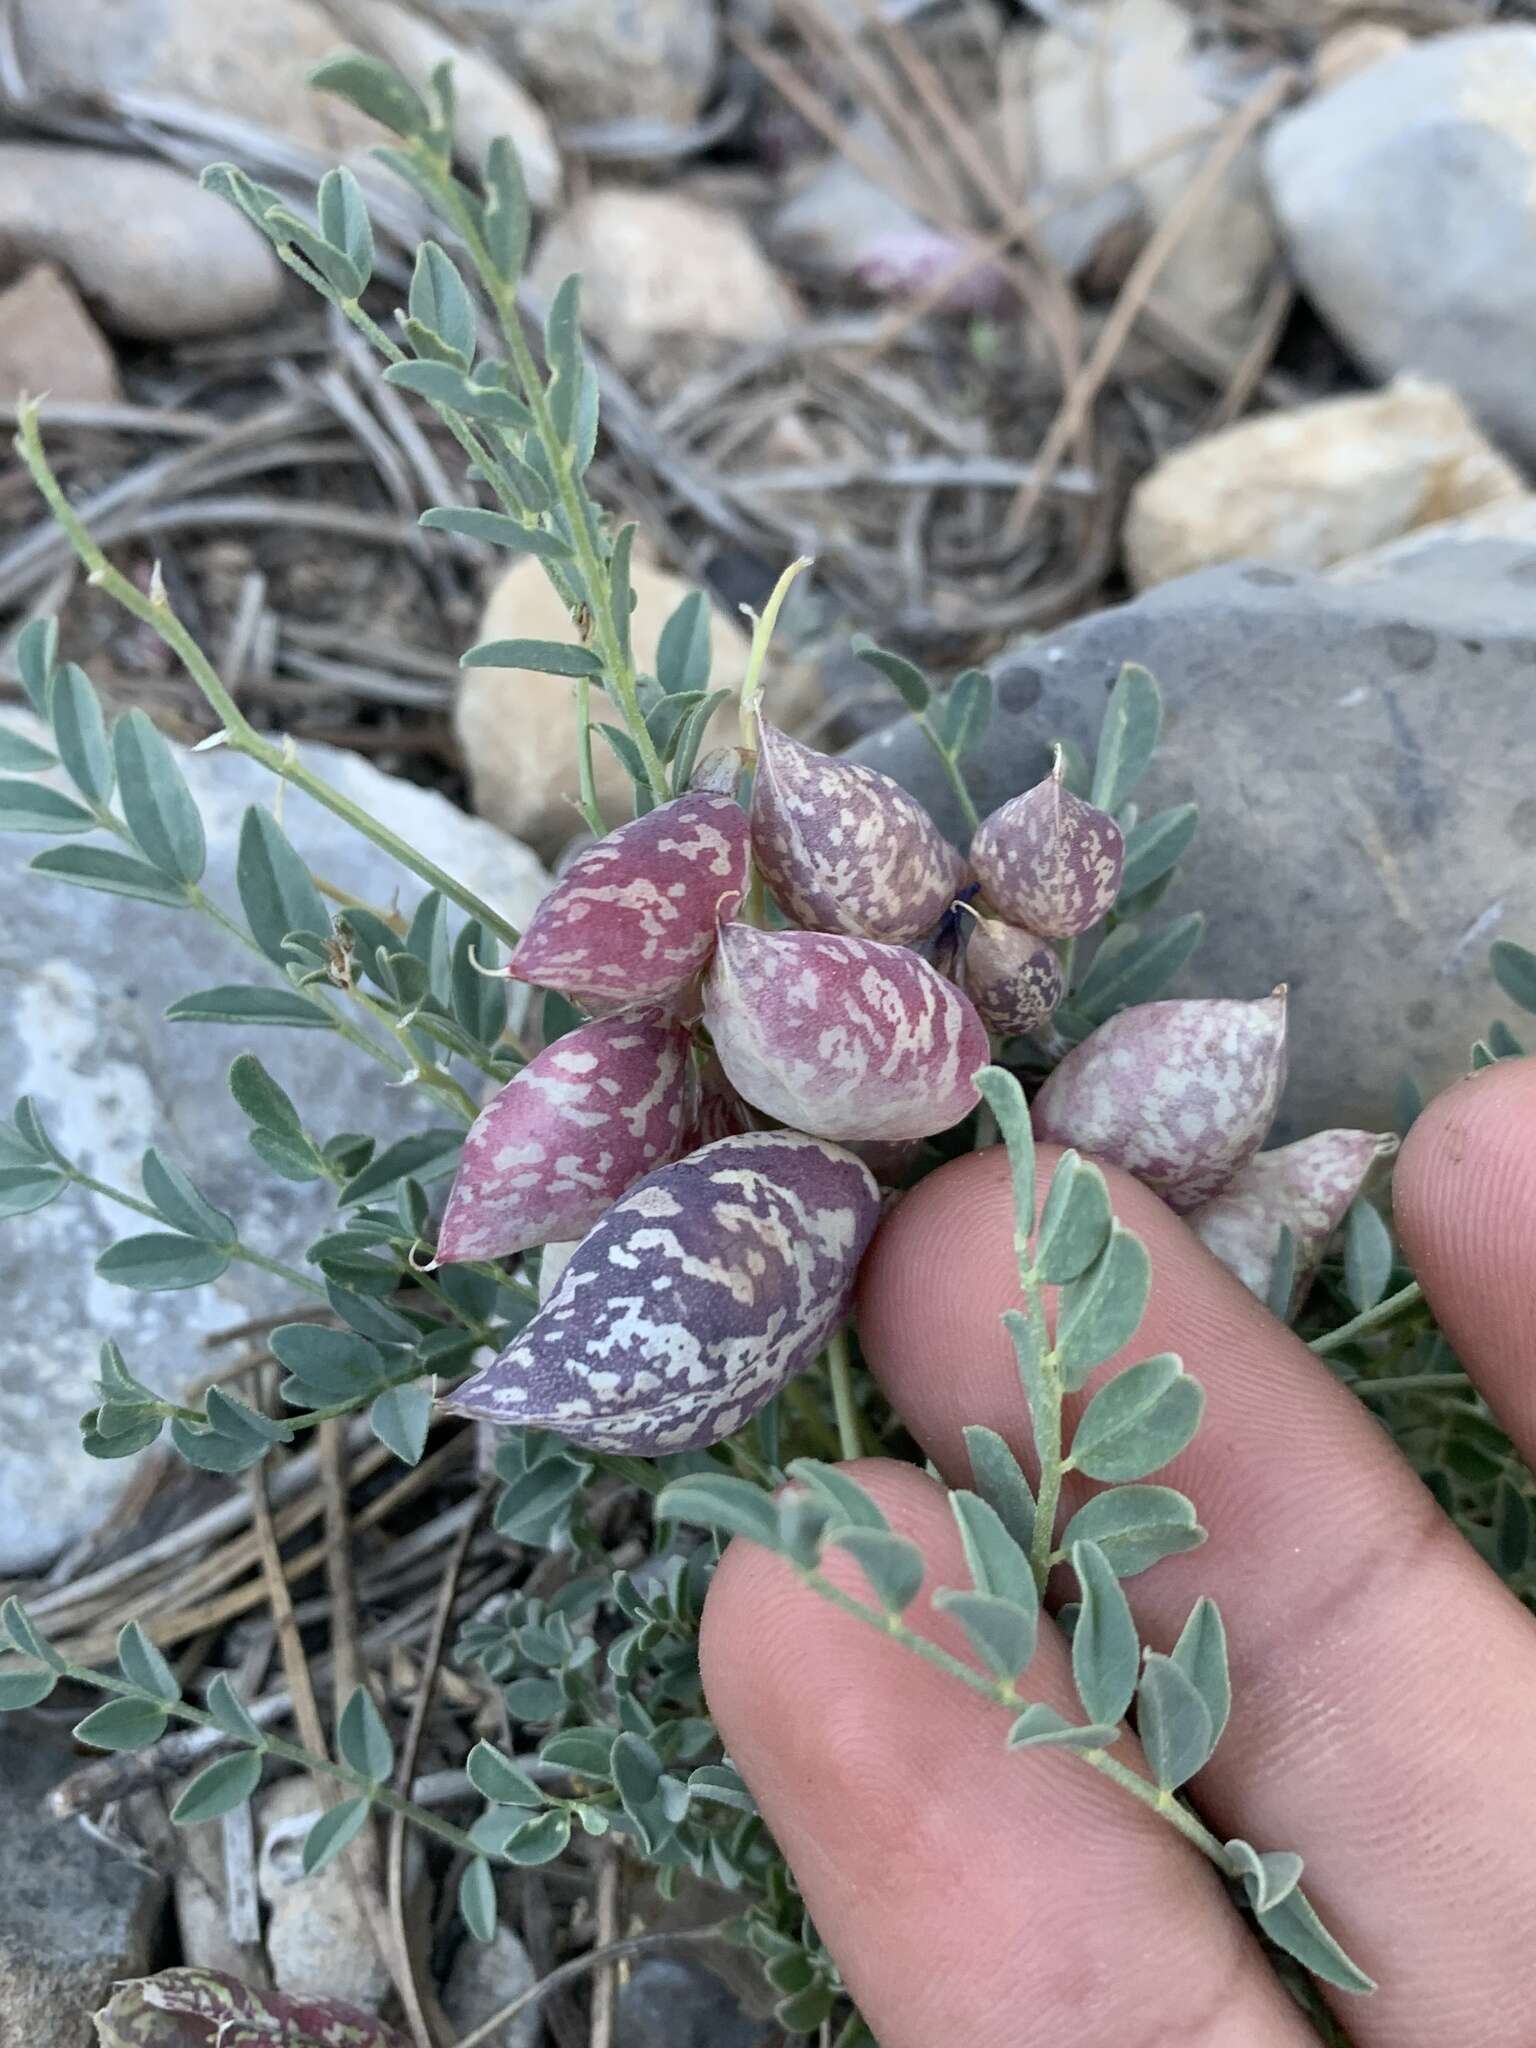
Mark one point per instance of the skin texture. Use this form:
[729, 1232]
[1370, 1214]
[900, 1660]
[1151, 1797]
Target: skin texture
[1384, 1719]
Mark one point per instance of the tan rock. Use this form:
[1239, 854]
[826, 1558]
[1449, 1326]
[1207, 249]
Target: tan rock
[1312, 486]
[151, 254]
[49, 343]
[517, 728]
[1509, 519]
[489, 102]
[1356, 48]
[658, 268]
[1077, 113]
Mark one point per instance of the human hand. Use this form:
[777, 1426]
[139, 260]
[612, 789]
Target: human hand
[1384, 1681]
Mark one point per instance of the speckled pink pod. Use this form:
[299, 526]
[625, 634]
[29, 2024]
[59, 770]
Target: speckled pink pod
[1048, 861]
[1013, 977]
[846, 1038]
[1305, 1188]
[1181, 1094]
[844, 848]
[692, 1302]
[633, 918]
[568, 1135]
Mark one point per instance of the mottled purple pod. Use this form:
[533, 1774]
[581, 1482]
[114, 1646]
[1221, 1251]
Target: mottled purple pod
[1305, 1188]
[693, 1301]
[844, 848]
[1181, 1094]
[842, 1037]
[632, 920]
[1048, 861]
[1013, 977]
[567, 1135]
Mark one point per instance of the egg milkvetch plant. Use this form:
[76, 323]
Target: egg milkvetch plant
[772, 989]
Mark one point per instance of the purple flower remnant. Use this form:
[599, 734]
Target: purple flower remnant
[846, 1038]
[844, 848]
[1048, 861]
[568, 1135]
[692, 1302]
[633, 918]
[1306, 1188]
[1013, 977]
[1181, 1094]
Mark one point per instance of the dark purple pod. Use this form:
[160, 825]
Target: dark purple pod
[843, 1037]
[1013, 977]
[1305, 1188]
[1048, 861]
[566, 1136]
[1181, 1094]
[844, 848]
[632, 920]
[692, 1302]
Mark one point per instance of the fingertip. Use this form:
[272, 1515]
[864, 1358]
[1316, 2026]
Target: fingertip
[1464, 1198]
[1463, 1135]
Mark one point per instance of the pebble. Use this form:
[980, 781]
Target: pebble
[153, 256]
[49, 343]
[1314, 485]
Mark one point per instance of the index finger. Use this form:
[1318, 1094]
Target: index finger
[1384, 1683]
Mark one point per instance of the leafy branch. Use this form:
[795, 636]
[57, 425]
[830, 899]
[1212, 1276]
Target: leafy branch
[1137, 1421]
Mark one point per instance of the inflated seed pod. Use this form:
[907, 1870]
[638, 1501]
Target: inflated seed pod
[1048, 861]
[1179, 1093]
[846, 1038]
[633, 918]
[692, 1302]
[1306, 1188]
[844, 848]
[567, 1135]
[1013, 977]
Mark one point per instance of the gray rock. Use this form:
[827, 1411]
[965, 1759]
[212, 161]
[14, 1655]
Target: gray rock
[1361, 751]
[247, 61]
[674, 2002]
[74, 1917]
[1404, 199]
[593, 61]
[84, 982]
[319, 1936]
[484, 1977]
[153, 254]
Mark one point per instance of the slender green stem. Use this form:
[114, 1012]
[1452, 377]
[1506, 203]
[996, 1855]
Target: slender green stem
[594, 576]
[1414, 1383]
[281, 760]
[757, 659]
[586, 779]
[1375, 1318]
[1004, 1694]
[952, 771]
[290, 1752]
[239, 1251]
[426, 1072]
[1048, 1439]
[840, 1372]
